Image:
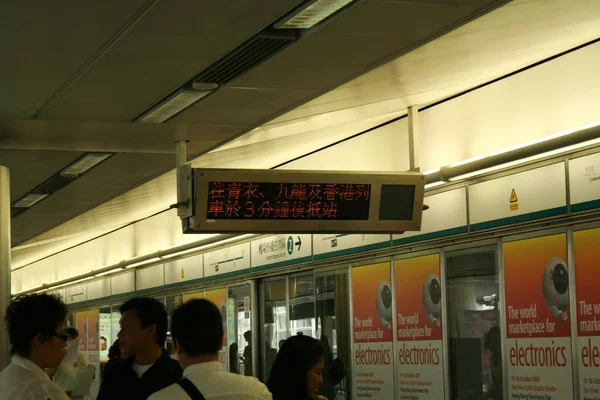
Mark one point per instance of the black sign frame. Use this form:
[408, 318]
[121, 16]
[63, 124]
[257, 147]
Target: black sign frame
[202, 223]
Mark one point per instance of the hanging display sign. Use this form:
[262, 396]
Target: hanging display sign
[283, 201]
[538, 346]
[585, 244]
[219, 298]
[372, 335]
[419, 354]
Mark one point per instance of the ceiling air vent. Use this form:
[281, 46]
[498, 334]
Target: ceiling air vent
[16, 211]
[56, 182]
[245, 57]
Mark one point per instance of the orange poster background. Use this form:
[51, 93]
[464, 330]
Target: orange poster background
[410, 275]
[365, 284]
[93, 321]
[192, 296]
[587, 273]
[219, 298]
[524, 265]
[81, 325]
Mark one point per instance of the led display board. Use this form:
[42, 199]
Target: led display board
[269, 201]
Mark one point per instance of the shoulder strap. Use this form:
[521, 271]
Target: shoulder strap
[190, 389]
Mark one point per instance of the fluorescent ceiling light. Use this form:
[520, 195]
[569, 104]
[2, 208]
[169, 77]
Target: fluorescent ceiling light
[431, 171]
[112, 271]
[525, 160]
[85, 163]
[434, 184]
[313, 14]
[173, 105]
[29, 200]
[142, 263]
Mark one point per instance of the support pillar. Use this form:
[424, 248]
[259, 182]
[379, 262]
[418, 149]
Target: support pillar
[413, 138]
[4, 261]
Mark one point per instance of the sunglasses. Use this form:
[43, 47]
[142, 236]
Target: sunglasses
[62, 336]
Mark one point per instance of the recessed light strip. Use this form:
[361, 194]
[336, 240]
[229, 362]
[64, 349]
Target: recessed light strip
[311, 15]
[172, 106]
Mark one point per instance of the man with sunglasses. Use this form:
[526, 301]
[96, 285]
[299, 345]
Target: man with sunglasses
[35, 326]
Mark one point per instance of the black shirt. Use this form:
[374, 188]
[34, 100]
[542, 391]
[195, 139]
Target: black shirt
[121, 382]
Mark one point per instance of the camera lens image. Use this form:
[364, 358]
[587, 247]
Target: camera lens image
[555, 286]
[432, 298]
[384, 304]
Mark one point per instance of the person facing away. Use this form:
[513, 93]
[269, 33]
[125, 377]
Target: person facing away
[197, 330]
[298, 369]
[35, 326]
[247, 358]
[64, 376]
[492, 342]
[148, 367]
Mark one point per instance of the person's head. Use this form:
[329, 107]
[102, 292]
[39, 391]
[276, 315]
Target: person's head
[248, 336]
[281, 342]
[35, 326]
[297, 371]
[72, 333]
[143, 325]
[197, 330]
[233, 357]
[115, 350]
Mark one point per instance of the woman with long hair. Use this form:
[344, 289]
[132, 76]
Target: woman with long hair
[297, 371]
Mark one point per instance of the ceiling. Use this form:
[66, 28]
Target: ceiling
[80, 73]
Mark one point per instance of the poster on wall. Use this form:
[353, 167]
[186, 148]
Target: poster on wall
[93, 329]
[191, 296]
[538, 347]
[219, 298]
[105, 333]
[585, 246]
[372, 335]
[419, 351]
[81, 325]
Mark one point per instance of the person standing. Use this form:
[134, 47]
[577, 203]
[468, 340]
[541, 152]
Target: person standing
[148, 368]
[35, 326]
[197, 330]
[297, 371]
[64, 376]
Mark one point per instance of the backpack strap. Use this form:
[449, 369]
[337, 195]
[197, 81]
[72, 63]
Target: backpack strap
[190, 389]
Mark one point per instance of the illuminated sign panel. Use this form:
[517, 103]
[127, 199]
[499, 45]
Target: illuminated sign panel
[260, 201]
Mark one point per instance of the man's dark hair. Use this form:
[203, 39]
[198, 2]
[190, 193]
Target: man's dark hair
[72, 332]
[149, 311]
[29, 316]
[197, 326]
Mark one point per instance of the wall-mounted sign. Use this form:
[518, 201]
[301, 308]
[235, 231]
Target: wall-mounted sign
[278, 250]
[227, 261]
[372, 332]
[337, 244]
[300, 201]
[584, 182]
[538, 327]
[585, 244]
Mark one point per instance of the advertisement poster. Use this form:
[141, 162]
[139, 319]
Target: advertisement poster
[372, 335]
[93, 343]
[585, 244]
[81, 325]
[191, 296]
[219, 298]
[419, 352]
[538, 347]
[105, 335]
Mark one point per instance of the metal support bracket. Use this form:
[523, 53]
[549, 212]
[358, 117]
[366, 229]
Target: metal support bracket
[184, 181]
[413, 138]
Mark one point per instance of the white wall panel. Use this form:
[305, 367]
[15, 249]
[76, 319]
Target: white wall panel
[447, 214]
[118, 245]
[584, 178]
[184, 269]
[150, 277]
[559, 95]
[98, 289]
[77, 293]
[123, 283]
[384, 149]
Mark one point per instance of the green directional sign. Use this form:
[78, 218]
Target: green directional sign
[290, 245]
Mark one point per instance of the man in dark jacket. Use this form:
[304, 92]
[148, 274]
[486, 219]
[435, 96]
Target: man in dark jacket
[148, 368]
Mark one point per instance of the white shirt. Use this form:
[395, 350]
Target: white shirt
[24, 380]
[140, 369]
[216, 384]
